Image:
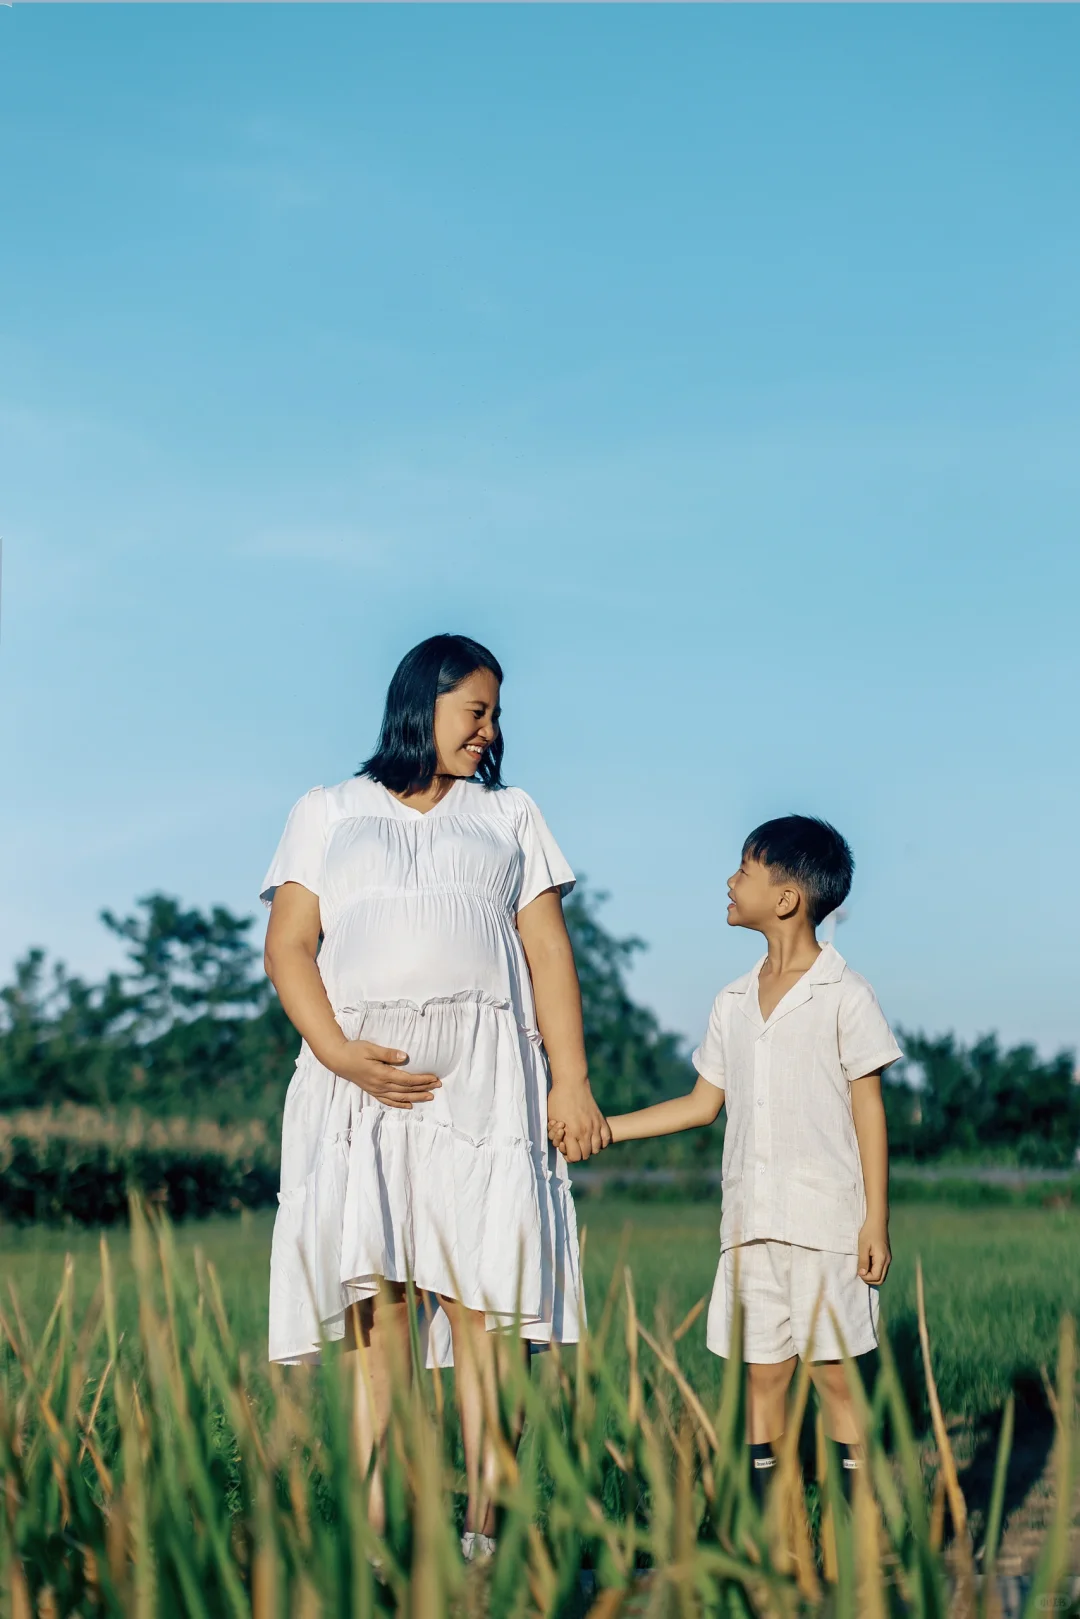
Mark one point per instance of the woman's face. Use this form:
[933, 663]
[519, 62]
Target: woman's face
[466, 723]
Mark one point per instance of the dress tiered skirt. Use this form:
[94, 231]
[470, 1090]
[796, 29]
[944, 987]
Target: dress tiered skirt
[462, 1195]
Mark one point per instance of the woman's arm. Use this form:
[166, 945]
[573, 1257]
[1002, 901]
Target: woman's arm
[699, 1106]
[557, 994]
[292, 944]
[871, 1132]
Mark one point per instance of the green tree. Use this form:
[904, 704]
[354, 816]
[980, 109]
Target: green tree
[185, 964]
[196, 992]
[61, 1039]
[981, 1099]
[633, 1062]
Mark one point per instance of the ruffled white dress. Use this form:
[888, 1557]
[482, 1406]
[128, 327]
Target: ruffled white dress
[420, 952]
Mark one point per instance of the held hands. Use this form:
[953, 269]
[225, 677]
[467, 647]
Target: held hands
[576, 1125]
[875, 1255]
[378, 1070]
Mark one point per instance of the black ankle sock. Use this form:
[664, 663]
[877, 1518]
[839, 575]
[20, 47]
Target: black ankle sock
[762, 1463]
[850, 1461]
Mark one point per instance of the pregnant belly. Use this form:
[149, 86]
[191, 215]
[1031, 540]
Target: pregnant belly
[422, 946]
[491, 1070]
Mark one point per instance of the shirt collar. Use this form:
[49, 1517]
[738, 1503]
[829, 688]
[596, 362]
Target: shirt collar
[827, 969]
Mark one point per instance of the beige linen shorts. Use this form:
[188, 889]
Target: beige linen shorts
[779, 1286]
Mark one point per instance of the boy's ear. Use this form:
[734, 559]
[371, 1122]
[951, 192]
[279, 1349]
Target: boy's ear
[787, 903]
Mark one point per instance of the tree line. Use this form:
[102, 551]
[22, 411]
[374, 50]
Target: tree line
[190, 1027]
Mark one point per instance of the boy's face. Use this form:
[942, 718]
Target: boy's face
[755, 899]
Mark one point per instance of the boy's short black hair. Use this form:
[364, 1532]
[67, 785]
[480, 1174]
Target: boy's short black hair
[801, 849]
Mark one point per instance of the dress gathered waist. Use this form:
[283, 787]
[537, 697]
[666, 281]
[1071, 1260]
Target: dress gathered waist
[483, 896]
[465, 1000]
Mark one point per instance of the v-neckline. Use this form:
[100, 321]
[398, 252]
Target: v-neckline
[799, 982]
[420, 814]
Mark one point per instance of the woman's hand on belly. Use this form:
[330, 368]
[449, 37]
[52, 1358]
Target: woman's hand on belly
[378, 1071]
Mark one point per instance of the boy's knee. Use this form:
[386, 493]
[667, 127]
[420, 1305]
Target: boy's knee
[841, 1419]
[830, 1378]
[769, 1378]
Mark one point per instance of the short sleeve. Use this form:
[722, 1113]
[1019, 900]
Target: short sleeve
[299, 856]
[708, 1059]
[866, 1041]
[545, 866]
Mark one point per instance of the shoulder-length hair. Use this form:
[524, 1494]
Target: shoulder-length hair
[405, 759]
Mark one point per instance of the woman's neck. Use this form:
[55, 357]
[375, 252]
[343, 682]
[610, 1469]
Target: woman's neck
[426, 798]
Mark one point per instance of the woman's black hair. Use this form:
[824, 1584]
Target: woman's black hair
[405, 759]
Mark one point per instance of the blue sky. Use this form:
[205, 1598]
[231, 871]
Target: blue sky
[718, 366]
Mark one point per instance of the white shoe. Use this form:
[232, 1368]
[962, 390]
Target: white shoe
[476, 1547]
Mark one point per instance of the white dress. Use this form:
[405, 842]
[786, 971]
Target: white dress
[420, 952]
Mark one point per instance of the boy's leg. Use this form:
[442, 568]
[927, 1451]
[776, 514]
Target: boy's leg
[766, 1406]
[830, 1380]
[758, 1273]
[841, 1428]
[766, 1414]
[846, 1323]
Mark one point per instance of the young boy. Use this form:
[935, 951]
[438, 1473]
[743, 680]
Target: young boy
[795, 1048]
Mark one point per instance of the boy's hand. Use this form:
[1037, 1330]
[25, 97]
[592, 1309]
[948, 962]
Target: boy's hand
[586, 1129]
[875, 1255]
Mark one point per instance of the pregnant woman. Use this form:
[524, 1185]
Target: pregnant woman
[417, 943]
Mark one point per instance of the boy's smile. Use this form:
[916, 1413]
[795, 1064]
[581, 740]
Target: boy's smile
[752, 895]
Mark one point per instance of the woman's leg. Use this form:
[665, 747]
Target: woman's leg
[377, 1344]
[480, 1361]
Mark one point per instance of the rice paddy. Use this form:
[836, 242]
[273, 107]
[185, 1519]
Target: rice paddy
[152, 1464]
[997, 1281]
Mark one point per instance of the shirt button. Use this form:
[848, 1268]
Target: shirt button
[761, 1169]
[761, 1101]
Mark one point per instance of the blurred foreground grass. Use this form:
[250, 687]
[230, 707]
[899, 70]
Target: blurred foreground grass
[997, 1283]
[151, 1464]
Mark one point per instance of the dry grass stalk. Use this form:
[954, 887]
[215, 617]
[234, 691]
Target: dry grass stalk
[131, 1463]
[957, 1504]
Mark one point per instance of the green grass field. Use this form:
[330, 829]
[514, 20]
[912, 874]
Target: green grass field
[997, 1282]
[211, 1473]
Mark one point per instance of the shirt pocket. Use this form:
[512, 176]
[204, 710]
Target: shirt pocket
[823, 1213]
[732, 1230]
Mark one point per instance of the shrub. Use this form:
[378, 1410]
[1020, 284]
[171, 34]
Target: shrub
[80, 1163]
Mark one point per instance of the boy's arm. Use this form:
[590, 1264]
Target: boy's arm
[699, 1106]
[868, 1113]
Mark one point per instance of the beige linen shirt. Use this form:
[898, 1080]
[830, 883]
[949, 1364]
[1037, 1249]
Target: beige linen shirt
[792, 1170]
